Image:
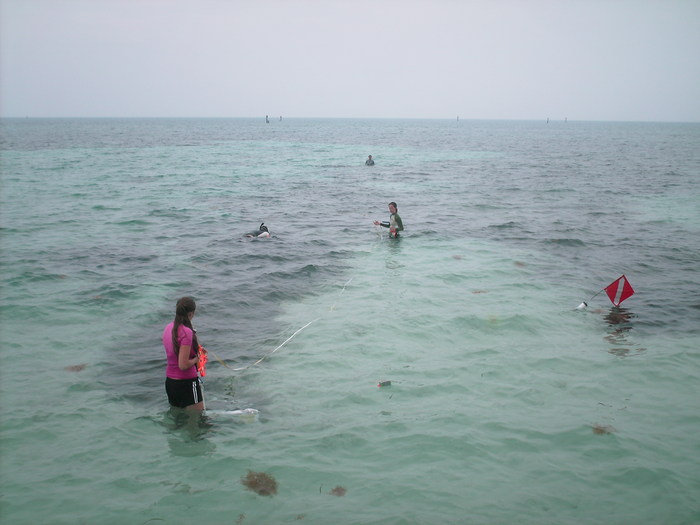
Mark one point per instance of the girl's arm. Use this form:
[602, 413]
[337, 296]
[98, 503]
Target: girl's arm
[183, 358]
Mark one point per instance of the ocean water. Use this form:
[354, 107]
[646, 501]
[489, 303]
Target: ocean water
[506, 404]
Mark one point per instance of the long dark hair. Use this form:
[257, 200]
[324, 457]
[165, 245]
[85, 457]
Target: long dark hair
[184, 307]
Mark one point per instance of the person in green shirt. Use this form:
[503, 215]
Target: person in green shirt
[394, 223]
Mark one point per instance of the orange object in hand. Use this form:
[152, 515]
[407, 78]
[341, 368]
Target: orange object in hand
[202, 361]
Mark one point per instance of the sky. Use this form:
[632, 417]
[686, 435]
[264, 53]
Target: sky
[607, 60]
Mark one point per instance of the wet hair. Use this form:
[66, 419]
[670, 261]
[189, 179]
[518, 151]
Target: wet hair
[394, 205]
[183, 308]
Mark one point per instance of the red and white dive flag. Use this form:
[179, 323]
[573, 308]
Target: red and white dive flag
[619, 290]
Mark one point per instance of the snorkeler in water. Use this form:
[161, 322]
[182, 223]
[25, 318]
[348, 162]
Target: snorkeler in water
[395, 224]
[260, 232]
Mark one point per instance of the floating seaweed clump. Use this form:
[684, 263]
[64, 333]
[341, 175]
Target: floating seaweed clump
[263, 484]
[600, 430]
[338, 491]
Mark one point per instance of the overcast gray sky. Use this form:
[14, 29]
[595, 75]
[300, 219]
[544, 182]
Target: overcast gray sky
[492, 59]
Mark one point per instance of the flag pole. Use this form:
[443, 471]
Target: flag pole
[585, 304]
[597, 294]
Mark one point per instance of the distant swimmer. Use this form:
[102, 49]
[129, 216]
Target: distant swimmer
[394, 223]
[369, 161]
[260, 232]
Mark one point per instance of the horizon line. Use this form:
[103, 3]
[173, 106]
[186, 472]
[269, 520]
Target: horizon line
[274, 119]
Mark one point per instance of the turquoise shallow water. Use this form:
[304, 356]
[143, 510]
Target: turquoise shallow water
[507, 405]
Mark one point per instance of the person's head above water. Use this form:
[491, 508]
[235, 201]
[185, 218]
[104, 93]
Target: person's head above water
[184, 307]
[184, 312]
[370, 157]
[392, 207]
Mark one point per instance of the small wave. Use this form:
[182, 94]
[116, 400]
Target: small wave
[108, 293]
[565, 242]
[171, 213]
[138, 258]
[36, 276]
[496, 323]
[505, 226]
[134, 222]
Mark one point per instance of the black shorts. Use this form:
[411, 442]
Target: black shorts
[183, 392]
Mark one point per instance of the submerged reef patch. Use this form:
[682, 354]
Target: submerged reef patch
[338, 491]
[261, 483]
[601, 430]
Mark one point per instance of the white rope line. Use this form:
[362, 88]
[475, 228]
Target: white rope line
[341, 293]
[275, 350]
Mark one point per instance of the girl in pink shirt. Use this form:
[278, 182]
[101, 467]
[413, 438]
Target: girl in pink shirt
[181, 348]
